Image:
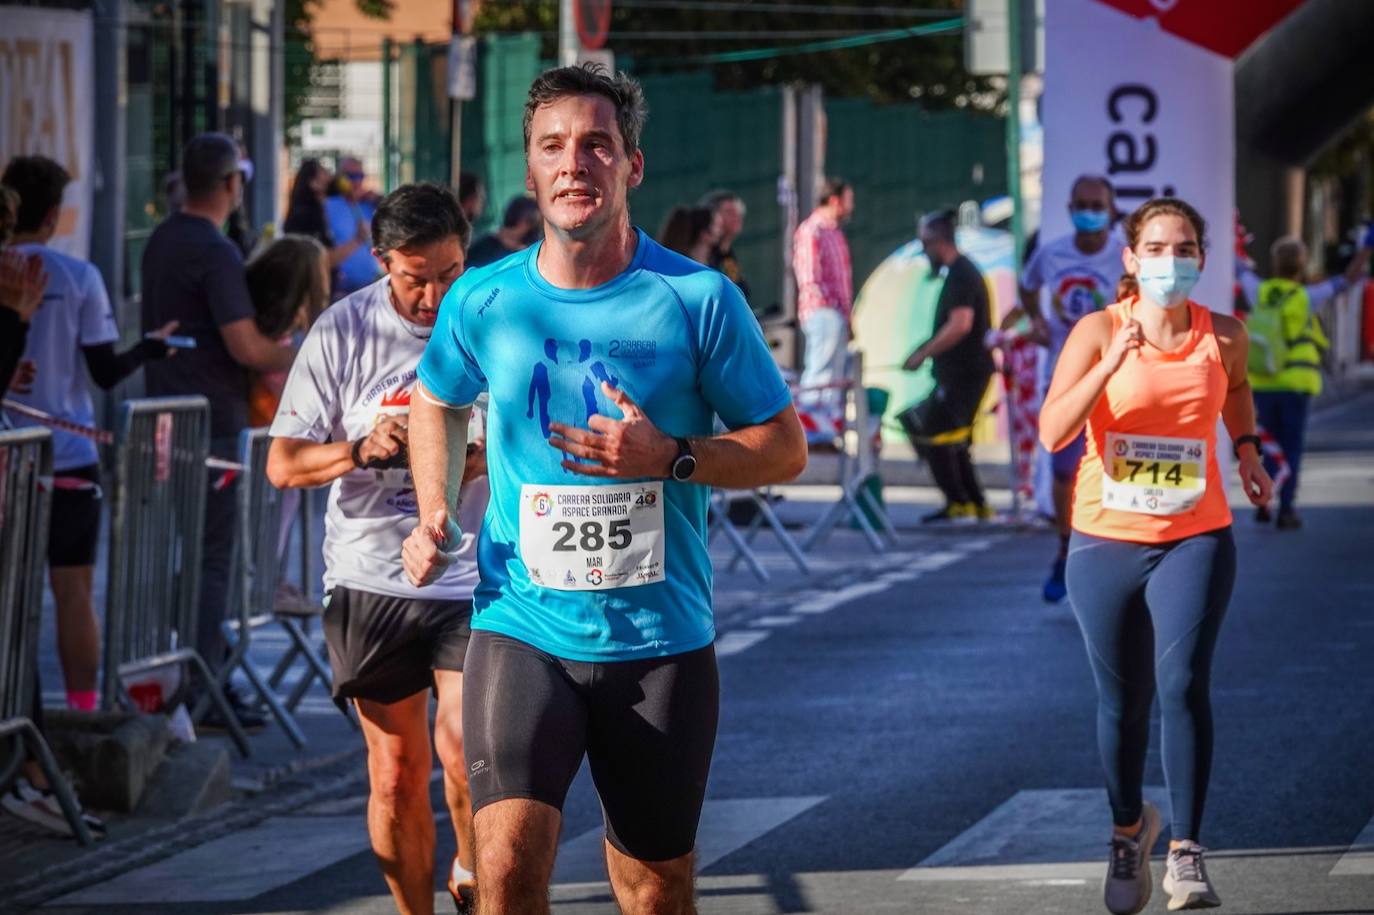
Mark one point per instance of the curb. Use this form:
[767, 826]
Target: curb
[285, 791]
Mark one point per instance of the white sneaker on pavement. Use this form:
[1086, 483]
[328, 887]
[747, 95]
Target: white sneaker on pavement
[1127, 887]
[1185, 879]
[41, 808]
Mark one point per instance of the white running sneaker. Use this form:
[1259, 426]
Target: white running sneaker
[42, 809]
[1128, 884]
[1185, 879]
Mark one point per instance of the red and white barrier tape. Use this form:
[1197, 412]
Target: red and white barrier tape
[1271, 449]
[99, 436]
[106, 437]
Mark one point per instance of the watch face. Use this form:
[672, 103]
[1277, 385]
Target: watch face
[684, 466]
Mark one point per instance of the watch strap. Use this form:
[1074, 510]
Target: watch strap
[1248, 439]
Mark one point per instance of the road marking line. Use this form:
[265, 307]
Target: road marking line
[1358, 861]
[739, 640]
[726, 825]
[776, 621]
[1032, 836]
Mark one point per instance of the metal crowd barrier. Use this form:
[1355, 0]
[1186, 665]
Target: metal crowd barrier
[156, 531]
[259, 567]
[25, 506]
[857, 462]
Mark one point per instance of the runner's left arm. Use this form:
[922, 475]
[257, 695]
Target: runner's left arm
[438, 453]
[1238, 410]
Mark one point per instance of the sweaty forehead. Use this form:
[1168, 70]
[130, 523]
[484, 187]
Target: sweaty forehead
[575, 114]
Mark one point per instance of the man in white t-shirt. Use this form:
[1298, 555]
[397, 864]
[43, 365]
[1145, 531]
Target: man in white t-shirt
[72, 331]
[342, 420]
[1065, 279]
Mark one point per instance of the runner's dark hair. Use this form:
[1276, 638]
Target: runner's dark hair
[39, 182]
[418, 214]
[1135, 223]
[591, 78]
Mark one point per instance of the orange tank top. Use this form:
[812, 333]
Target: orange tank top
[1149, 473]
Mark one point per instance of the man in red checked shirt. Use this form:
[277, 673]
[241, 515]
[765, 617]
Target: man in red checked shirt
[825, 300]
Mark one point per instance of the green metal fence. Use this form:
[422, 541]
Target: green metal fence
[904, 161]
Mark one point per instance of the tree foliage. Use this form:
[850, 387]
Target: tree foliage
[928, 68]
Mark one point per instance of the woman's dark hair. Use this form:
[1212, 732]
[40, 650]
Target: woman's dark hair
[283, 276]
[683, 227]
[39, 182]
[1134, 224]
[590, 78]
[418, 214]
[302, 194]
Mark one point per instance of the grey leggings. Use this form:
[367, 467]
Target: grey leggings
[1150, 615]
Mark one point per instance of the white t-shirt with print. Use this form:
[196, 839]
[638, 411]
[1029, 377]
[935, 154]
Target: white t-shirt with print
[75, 312]
[356, 367]
[1072, 284]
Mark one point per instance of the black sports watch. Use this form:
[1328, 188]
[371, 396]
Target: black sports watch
[1249, 440]
[685, 464]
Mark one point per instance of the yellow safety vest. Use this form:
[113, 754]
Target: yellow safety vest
[1303, 334]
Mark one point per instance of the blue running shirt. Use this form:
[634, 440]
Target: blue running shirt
[679, 339]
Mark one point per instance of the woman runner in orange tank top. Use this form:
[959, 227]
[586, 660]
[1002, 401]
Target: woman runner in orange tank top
[1151, 559]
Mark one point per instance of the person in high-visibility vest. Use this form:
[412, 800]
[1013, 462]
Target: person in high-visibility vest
[1286, 345]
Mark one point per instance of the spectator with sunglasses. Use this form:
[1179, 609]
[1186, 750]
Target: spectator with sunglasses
[348, 212]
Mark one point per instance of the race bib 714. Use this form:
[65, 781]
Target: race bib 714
[1153, 474]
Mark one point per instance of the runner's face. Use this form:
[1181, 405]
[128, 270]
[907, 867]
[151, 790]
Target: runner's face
[578, 169]
[421, 275]
[1164, 235]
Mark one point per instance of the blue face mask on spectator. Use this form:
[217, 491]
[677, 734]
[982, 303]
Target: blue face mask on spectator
[1090, 220]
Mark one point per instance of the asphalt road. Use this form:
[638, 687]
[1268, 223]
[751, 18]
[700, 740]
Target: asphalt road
[914, 732]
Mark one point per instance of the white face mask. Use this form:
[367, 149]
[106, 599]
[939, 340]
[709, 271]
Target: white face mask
[1167, 280]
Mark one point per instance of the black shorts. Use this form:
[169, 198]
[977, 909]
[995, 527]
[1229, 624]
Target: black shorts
[74, 526]
[385, 648]
[946, 417]
[647, 728]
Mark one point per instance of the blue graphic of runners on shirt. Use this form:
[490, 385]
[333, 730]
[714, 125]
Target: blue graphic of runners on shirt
[553, 375]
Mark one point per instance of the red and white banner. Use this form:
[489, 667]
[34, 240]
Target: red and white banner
[1151, 111]
[47, 105]
[1227, 27]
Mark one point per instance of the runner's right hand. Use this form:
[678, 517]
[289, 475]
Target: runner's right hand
[1128, 337]
[430, 548]
[388, 439]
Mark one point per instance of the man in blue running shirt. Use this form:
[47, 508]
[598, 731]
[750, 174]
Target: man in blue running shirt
[607, 358]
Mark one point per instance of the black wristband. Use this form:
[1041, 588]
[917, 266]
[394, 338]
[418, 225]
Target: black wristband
[1249, 439]
[356, 452]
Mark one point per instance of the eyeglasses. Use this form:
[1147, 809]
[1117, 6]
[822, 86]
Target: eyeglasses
[355, 177]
